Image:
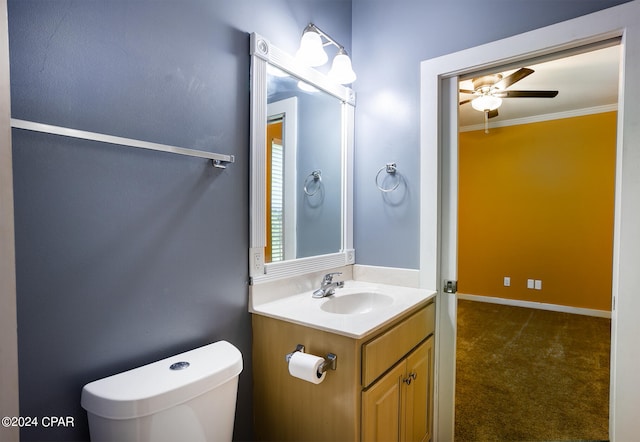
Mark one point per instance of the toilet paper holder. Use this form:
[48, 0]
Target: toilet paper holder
[330, 361]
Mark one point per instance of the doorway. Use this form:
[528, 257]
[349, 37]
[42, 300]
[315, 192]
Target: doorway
[536, 205]
[281, 148]
[438, 195]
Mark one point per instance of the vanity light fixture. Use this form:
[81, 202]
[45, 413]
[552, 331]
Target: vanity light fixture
[312, 53]
[307, 87]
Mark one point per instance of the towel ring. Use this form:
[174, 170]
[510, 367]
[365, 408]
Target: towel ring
[391, 169]
[316, 176]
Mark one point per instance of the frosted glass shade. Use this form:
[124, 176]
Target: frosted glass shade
[311, 51]
[341, 70]
[486, 103]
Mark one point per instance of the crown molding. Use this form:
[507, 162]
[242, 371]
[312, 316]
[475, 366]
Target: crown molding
[544, 117]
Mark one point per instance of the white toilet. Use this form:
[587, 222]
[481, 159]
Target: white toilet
[188, 397]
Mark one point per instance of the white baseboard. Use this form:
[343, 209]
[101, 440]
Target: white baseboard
[537, 305]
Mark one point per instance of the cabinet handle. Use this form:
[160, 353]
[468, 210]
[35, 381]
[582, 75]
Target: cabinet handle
[410, 377]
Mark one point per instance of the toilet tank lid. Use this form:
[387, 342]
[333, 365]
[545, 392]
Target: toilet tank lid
[155, 387]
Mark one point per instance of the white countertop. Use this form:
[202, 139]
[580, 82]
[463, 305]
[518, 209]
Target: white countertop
[304, 310]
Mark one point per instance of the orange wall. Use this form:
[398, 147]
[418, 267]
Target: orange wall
[536, 201]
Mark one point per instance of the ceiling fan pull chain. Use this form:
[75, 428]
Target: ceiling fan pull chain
[486, 121]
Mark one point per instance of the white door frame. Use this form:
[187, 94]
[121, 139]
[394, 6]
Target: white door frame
[8, 319]
[288, 108]
[438, 197]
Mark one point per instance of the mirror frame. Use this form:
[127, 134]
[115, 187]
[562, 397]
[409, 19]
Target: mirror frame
[263, 53]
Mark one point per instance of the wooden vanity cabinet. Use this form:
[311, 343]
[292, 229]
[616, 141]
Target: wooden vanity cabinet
[382, 388]
[398, 406]
[290, 409]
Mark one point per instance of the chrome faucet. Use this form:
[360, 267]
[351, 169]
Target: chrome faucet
[328, 286]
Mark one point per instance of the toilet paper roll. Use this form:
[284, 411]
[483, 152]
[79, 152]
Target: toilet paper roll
[306, 367]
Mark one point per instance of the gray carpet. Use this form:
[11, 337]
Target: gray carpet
[530, 375]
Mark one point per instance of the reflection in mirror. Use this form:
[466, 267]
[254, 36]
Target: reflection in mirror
[301, 154]
[304, 165]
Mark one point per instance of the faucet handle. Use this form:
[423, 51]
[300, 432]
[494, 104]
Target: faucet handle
[329, 276]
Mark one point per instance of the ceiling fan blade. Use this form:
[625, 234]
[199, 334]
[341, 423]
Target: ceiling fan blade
[523, 94]
[464, 102]
[492, 114]
[467, 91]
[516, 76]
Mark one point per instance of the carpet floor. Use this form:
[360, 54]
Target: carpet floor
[530, 375]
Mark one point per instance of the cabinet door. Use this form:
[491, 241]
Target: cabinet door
[418, 394]
[381, 407]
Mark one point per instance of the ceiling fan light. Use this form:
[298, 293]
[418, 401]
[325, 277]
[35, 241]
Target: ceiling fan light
[311, 51]
[341, 70]
[486, 103]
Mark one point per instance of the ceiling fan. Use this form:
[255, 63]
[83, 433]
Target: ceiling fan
[491, 89]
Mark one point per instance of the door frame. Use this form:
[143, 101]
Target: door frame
[438, 196]
[288, 109]
[8, 319]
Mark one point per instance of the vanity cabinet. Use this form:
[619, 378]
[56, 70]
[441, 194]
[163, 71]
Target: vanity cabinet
[382, 388]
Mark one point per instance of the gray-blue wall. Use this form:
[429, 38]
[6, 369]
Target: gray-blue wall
[127, 256]
[390, 39]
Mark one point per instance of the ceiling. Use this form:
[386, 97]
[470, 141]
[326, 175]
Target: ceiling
[583, 81]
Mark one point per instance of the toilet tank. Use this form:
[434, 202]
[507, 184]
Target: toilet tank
[187, 397]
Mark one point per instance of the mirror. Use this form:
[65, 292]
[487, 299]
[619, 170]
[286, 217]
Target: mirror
[301, 154]
[304, 167]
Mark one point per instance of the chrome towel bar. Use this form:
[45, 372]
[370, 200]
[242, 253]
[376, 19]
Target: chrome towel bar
[218, 160]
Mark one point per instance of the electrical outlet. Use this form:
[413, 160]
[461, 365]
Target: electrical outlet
[538, 284]
[351, 258]
[257, 261]
[507, 281]
[530, 284]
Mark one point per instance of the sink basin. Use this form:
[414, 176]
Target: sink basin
[356, 303]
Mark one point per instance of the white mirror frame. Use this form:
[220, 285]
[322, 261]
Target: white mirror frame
[264, 53]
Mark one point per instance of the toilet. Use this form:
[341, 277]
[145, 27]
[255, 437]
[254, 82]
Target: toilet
[189, 397]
